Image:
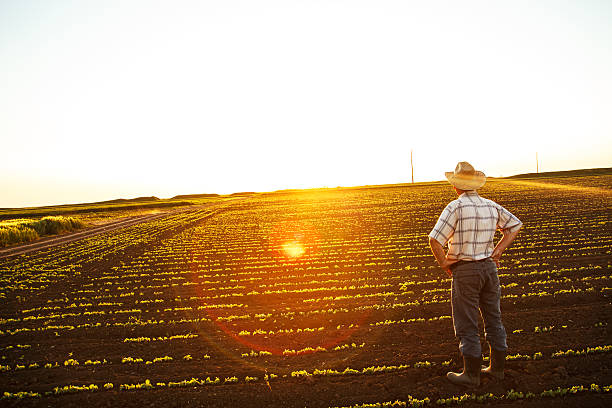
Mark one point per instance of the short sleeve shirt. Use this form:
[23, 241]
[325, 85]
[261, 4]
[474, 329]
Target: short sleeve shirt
[468, 225]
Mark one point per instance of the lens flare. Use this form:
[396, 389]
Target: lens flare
[293, 241]
[293, 249]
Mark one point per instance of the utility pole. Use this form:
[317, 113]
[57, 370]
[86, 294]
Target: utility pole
[411, 166]
[537, 164]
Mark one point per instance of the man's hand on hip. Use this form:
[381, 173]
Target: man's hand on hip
[501, 246]
[496, 256]
[446, 264]
[438, 252]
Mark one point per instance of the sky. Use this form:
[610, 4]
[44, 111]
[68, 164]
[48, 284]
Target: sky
[108, 99]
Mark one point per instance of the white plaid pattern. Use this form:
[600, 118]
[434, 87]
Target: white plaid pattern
[468, 224]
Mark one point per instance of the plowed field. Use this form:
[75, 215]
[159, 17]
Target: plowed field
[310, 298]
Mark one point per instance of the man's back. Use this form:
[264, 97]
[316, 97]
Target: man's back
[468, 224]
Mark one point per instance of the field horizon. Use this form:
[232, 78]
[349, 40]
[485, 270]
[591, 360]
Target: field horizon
[184, 199]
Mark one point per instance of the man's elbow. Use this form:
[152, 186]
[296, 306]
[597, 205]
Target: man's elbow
[433, 242]
[513, 230]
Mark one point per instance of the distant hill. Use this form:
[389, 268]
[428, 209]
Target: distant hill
[568, 173]
[128, 200]
[184, 196]
[110, 205]
[242, 193]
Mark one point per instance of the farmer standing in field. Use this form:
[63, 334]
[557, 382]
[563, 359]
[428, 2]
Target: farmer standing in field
[468, 224]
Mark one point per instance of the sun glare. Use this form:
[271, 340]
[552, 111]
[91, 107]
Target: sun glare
[293, 240]
[293, 249]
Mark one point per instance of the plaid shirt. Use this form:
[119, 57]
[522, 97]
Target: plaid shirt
[468, 224]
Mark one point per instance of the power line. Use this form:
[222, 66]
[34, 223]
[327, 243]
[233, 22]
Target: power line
[411, 166]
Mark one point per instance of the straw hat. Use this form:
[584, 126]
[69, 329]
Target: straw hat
[465, 177]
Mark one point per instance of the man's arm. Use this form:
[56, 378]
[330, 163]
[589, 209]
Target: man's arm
[504, 243]
[438, 252]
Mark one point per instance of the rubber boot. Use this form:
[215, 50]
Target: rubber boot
[470, 377]
[497, 361]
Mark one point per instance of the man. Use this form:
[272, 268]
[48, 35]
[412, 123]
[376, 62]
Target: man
[468, 224]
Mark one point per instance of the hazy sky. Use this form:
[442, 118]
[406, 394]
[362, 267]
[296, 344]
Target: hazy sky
[108, 99]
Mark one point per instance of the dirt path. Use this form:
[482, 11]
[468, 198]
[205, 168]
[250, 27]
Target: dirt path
[75, 236]
[52, 241]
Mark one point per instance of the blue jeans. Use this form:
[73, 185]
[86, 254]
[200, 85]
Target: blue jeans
[475, 290]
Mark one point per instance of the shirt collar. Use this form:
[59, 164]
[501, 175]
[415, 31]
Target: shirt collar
[471, 193]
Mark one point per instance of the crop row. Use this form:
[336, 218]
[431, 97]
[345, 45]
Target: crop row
[316, 372]
[511, 395]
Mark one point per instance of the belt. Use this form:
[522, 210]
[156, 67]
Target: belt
[465, 261]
